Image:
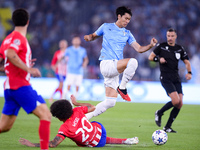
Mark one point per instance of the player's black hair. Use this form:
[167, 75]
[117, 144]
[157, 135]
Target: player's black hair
[122, 10]
[20, 17]
[61, 109]
[171, 30]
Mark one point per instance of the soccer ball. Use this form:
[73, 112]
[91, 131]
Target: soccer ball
[159, 137]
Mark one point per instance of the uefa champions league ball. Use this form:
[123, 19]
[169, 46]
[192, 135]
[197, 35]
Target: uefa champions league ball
[159, 137]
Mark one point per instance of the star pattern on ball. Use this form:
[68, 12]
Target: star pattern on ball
[160, 140]
[158, 132]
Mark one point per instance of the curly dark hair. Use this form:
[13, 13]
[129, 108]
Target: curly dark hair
[122, 10]
[20, 17]
[61, 109]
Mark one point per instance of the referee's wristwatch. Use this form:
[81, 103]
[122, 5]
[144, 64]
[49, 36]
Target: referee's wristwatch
[190, 72]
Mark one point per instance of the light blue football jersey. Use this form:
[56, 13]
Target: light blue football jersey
[114, 41]
[75, 59]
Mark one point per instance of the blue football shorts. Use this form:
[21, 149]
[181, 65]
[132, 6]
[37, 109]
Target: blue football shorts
[24, 97]
[102, 141]
[60, 77]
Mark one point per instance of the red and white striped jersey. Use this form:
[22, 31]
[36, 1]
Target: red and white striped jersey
[80, 129]
[61, 67]
[16, 77]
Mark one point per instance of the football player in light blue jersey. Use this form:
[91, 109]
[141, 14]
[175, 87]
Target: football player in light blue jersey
[112, 62]
[112, 48]
[76, 60]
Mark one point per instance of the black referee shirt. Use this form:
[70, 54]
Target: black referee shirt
[172, 55]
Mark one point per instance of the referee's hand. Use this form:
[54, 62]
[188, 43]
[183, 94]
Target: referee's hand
[188, 76]
[162, 60]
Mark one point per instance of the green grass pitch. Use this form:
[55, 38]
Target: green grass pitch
[125, 120]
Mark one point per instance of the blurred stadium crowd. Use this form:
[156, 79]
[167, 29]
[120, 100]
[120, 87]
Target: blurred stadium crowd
[53, 20]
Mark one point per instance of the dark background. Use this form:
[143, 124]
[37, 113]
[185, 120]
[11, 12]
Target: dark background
[53, 20]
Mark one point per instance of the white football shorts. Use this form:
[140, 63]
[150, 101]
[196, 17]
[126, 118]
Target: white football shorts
[74, 79]
[109, 71]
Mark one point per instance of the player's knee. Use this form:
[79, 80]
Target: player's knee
[110, 102]
[6, 129]
[180, 105]
[43, 113]
[133, 63]
[48, 116]
[177, 103]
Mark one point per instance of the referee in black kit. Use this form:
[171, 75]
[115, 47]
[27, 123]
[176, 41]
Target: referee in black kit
[168, 54]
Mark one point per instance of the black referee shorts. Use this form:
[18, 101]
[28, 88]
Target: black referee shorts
[171, 83]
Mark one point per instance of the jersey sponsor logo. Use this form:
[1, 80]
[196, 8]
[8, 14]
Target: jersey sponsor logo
[178, 55]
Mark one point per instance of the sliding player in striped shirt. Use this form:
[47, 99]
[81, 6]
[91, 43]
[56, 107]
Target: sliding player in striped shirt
[78, 128]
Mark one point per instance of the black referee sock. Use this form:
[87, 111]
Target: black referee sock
[172, 116]
[165, 108]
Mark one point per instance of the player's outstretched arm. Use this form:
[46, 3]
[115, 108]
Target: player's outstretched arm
[74, 102]
[54, 143]
[142, 49]
[28, 143]
[90, 37]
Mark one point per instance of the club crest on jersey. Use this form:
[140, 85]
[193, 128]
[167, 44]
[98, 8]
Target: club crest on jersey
[178, 55]
[17, 42]
[124, 33]
[167, 47]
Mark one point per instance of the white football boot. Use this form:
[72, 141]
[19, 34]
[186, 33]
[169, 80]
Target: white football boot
[131, 141]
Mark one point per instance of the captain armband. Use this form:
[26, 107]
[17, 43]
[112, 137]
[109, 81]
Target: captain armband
[156, 59]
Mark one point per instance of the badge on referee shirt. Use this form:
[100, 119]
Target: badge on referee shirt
[178, 55]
